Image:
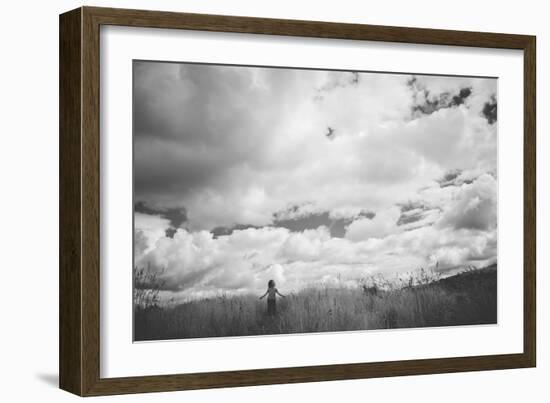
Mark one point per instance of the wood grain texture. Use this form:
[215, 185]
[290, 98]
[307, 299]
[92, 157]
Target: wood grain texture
[70, 314]
[530, 202]
[317, 29]
[90, 202]
[80, 200]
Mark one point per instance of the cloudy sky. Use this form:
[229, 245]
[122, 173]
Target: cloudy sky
[242, 174]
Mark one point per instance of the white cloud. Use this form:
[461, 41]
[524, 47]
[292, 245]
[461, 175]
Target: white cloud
[304, 245]
[382, 225]
[148, 230]
[474, 206]
[197, 264]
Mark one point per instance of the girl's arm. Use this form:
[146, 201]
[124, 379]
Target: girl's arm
[277, 291]
[263, 295]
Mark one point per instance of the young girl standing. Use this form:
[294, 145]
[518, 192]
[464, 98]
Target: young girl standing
[271, 298]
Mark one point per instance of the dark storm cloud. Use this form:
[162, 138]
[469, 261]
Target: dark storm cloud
[428, 102]
[461, 96]
[164, 163]
[449, 178]
[336, 226]
[412, 212]
[490, 110]
[176, 216]
[222, 231]
[411, 217]
[330, 132]
[193, 122]
[410, 206]
[307, 222]
[454, 177]
[441, 101]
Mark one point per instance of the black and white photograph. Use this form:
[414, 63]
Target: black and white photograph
[276, 200]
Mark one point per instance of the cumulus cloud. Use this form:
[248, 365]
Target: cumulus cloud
[474, 206]
[197, 264]
[148, 229]
[382, 225]
[245, 173]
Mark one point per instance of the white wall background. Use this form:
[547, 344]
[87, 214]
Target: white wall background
[29, 198]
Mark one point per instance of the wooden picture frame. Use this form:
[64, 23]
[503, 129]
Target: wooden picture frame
[79, 279]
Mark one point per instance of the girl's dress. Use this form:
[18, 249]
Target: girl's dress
[271, 301]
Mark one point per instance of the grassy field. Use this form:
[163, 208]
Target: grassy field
[464, 299]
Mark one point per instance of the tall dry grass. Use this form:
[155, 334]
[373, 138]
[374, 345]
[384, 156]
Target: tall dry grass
[465, 299]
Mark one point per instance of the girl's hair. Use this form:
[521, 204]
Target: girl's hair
[271, 284]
